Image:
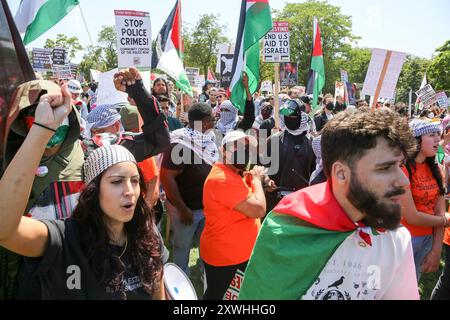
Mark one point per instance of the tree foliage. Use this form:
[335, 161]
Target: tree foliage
[72, 45]
[200, 43]
[336, 32]
[102, 57]
[439, 70]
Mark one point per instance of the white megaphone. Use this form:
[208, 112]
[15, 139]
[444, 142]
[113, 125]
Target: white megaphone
[177, 284]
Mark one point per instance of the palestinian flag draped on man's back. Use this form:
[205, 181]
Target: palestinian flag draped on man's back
[168, 50]
[254, 22]
[34, 17]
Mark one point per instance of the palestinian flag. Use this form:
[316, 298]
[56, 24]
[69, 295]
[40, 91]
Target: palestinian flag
[304, 248]
[316, 80]
[34, 17]
[254, 22]
[321, 234]
[168, 51]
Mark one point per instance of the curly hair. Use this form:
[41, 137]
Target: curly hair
[143, 241]
[351, 133]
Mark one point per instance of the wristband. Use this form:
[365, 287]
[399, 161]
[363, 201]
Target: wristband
[42, 126]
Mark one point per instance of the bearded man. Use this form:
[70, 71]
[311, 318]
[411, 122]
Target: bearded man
[342, 239]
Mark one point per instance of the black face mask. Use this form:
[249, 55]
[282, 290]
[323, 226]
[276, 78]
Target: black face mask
[241, 158]
[330, 106]
[292, 122]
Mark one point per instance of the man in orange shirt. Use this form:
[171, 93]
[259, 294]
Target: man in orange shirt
[233, 202]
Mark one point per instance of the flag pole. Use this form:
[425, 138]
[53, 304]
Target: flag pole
[180, 39]
[85, 25]
[276, 94]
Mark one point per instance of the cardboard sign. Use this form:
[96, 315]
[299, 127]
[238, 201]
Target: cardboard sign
[59, 56]
[42, 59]
[382, 76]
[134, 42]
[226, 67]
[276, 46]
[427, 95]
[443, 100]
[289, 74]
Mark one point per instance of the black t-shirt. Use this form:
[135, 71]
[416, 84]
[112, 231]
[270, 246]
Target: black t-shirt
[194, 172]
[64, 272]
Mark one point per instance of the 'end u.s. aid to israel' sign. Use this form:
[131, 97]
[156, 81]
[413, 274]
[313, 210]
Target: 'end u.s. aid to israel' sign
[134, 44]
[276, 46]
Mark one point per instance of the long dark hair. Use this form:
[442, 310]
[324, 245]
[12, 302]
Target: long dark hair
[143, 241]
[160, 80]
[431, 162]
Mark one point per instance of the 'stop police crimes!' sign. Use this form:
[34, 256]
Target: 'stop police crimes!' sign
[133, 39]
[276, 43]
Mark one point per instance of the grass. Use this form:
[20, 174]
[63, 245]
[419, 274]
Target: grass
[426, 283]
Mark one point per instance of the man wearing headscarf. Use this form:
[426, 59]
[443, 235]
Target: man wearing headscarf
[296, 158]
[229, 118]
[105, 127]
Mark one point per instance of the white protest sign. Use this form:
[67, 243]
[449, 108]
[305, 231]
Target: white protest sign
[276, 47]
[106, 92]
[134, 41]
[382, 76]
[339, 90]
[199, 80]
[63, 72]
[95, 74]
[267, 86]
[191, 73]
[442, 99]
[223, 49]
[147, 80]
[427, 95]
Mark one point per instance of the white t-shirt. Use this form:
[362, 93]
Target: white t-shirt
[359, 271]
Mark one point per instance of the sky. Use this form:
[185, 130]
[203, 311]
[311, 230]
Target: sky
[415, 27]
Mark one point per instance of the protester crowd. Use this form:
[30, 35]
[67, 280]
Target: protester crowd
[345, 202]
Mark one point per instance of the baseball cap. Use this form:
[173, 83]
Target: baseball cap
[237, 135]
[74, 86]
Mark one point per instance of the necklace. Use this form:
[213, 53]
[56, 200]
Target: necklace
[125, 248]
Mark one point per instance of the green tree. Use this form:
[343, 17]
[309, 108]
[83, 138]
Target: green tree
[336, 32]
[108, 41]
[439, 70]
[356, 62]
[200, 43]
[411, 77]
[72, 45]
[92, 59]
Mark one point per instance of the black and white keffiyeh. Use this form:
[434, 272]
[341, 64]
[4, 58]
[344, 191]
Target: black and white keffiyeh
[202, 144]
[104, 157]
